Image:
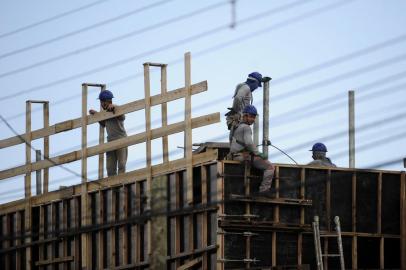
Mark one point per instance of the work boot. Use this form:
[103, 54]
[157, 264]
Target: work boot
[267, 193]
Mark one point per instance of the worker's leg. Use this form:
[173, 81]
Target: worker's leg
[122, 159]
[111, 163]
[268, 169]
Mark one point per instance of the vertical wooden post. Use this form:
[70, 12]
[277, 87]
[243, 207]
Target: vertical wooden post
[328, 217]
[84, 133]
[219, 197]
[85, 248]
[46, 147]
[403, 220]
[188, 142]
[65, 228]
[302, 216]
[101, 141]
[205, 216]
[124, 229]
[247, 171]
[351, 128]
[112, 230]
[354, 221]
[147, 90]
[17, 242]
[275, 217]
[27, 225]
[159, 223]
[28, 147]
[379, 222]
[38, 184]
[100, 234]
[164, 114]
[177, 218]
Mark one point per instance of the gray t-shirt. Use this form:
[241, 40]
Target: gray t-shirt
[115, 128]
[242, 97]
[242, 140]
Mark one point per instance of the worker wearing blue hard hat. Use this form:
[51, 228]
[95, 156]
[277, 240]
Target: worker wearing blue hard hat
[319, 156]
[243, 148]
[116, 160]
[242, 97]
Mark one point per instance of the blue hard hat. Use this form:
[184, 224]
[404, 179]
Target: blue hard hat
[250, 109]
[105, 95]
[319, 147]
[256, 76]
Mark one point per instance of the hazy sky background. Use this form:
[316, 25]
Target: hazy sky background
[315, 51]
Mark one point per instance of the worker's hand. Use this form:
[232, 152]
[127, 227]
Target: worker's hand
[91, 111]
[111, 108]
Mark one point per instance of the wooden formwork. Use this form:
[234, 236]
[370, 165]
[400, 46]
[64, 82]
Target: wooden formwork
[259, 232]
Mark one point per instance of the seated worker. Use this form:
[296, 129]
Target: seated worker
[242, 148]
[115, 160]
[319, 156]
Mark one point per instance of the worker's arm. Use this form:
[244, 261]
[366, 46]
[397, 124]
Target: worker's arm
[91, 111]
[249, 144]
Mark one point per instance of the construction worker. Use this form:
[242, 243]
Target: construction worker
[115, 160]
[242, 97]
[242, 148]
[319, 155]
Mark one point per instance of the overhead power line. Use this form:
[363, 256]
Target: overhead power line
[178, 43]
[113, 40]
[87, 28]
[50, 19]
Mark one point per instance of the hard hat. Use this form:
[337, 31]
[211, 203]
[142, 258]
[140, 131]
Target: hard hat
[105, 95]
[319, 147]
[250, 109]
[256, 76]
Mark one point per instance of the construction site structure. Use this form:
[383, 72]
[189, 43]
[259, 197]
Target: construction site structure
[197, 212]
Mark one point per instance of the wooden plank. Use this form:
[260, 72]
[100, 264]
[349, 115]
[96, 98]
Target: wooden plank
[100, 234]
[354, 221]
[18, 231]
[147, 93]
[128, 177]
[158, 242]
[46, 147]
[116, 144]
[190, 264]
[379, 204]
[41, 232]
[91, 119]
[302, 216]
[54, 261]
[101, 141]
[76, 221]
[112, 231]
[65, 228]
[28, 231]
[84, 133]
[220, 198]
[164, 114]
[188, 145]
[27, 185]
[275, 217]
[205, 216]
[403, 220]
[177, 218]
[124, 229]
[382, 253]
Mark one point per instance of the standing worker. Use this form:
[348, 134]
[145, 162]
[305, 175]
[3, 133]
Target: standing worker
[319, 156]
[242, 97]
[242, 148]
[115, 160]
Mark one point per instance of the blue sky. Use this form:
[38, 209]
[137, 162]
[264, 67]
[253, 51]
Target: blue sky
[315, 51]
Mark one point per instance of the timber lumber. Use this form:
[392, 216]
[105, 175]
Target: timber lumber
[107, 182]
[109, 146]
[91, 119]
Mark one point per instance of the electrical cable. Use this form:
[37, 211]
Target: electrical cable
[53, 18]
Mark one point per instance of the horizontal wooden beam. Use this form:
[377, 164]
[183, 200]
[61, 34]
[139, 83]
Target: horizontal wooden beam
[91, 119]
[109, 146]
[108, 182]
[53, 261]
